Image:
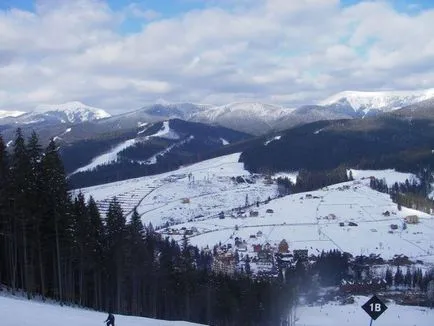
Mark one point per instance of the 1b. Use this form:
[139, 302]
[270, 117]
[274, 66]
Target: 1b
[375, 307]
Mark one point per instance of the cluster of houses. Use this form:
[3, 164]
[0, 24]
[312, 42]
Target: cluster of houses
[255, 258]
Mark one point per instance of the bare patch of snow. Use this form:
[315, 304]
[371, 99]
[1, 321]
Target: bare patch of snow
[224, 142]
[271, 140]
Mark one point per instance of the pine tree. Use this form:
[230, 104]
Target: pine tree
[408, 279]
[96, 250]
[57, 208]
[389, 277]
[20, 174]
[116, 227]
[5, 223]
[399, 278]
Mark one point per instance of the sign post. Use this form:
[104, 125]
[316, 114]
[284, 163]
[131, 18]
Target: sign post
[374, 307]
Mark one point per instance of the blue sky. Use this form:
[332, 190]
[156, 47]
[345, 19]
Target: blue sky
[170, 8]
[288, 52]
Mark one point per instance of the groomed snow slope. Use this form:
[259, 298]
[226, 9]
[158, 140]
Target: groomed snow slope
[108, 157]
[333, 314]
[22, 312]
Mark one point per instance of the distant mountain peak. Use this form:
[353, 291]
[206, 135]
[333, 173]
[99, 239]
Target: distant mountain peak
[74, 111]
[10, 113]
[381, 100]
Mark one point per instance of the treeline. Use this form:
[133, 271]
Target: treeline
[410, 279]
[312, 180]
[413, 194]
[60, 247]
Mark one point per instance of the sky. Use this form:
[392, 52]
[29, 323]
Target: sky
[120, 55]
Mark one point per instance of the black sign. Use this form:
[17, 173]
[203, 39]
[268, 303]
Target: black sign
[374, 307]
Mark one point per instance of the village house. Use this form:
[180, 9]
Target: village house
[257, 248]
[224, 264]
[412, 219]
[254, 213]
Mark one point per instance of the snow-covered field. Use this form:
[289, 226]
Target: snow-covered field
[193, 196]
[206, 185]
[312, 221]
[391, 176]
[21, 312]
[333, 314]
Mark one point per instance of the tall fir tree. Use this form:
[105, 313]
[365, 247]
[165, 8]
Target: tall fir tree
[115, 233]
[57, 215]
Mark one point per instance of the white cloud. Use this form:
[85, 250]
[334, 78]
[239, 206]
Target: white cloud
[286, 52]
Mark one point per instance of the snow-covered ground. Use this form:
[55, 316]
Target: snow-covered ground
[391, 176]
[207, 185]
[333, 314]
[22, 312]
[312, 221]
[193, 196]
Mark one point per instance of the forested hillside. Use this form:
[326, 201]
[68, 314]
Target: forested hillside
[370, 143]
[150, 153]
[59, 247]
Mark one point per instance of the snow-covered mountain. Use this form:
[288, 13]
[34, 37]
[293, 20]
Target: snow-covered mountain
[73, 112]
[169, 110]
[372, 102]
[6, 113]
[250, 117]
[66, 113]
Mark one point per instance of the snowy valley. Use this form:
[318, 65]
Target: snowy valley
[206, 202]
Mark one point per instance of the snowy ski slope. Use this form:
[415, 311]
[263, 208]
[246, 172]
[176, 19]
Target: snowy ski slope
[22, 312]
[332, 314]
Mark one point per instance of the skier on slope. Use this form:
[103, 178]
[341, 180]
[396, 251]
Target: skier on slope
[110, 320]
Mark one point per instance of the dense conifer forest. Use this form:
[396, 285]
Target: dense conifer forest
[59, 247]
[371, 143]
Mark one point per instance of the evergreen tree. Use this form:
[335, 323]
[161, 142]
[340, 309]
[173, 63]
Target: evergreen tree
[399, 277]
[116, 227]
[5, 223]
[389, 277]
[56, 207]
